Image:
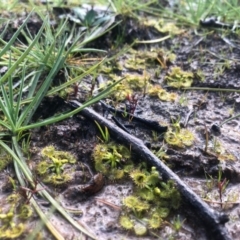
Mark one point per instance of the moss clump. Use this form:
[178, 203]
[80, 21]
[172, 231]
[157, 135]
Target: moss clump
[5, 159]
[146, 194]
[162, 26]
[57, 180]
[9, 218]
[178, 78]
[155, 221]
[161, 93]
[110, 159]
[126, 222]
[140, 229]
[139, 178]
[52, 165]
[148, 59]
[135, 204]
[25, 211]
[11, 232]
[151, 201]
[14, 198]
[131, 83]
[181, 138]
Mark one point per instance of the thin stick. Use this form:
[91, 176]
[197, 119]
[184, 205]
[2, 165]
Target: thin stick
[212, 219]
[109, 204]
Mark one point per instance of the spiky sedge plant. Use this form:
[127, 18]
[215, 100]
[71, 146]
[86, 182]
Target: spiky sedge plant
[18, 109]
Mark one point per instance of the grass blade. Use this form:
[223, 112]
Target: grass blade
[15, 35]
[55, 119]
[46, 221]
[22, 57]
[31, 108]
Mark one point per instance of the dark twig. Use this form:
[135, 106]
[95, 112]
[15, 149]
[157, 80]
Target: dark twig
[154, 125]
[187, 118]
[120, 124]
[213, 22]
[213, 220]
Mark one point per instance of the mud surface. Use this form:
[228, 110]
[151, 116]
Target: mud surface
[214, 64]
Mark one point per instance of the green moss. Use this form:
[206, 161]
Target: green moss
[152, 199]
[13, 198]
[135, 204]
[162, 26]
[146, 194]
[155, 221]
[163, 212]
[42, 167]
[11, 232]
[110, 159]
[178, 78]
[25, 211]
[181, 138]
[126, 222]
[5, 159]
[139, 178]
[140, 229]
[162, 94]
[57, 180]
[51, 167]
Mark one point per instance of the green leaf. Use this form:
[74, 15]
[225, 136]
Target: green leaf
[22, 57]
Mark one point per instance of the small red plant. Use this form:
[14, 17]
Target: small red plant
[221, 187]
[27, 193]
[133, 101]
[75, 90]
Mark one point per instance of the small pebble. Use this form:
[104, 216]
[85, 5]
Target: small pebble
[215, 130]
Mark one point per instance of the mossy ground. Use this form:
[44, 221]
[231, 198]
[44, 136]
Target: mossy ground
[155, 77]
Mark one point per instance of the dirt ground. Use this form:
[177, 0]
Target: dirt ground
[211, 158]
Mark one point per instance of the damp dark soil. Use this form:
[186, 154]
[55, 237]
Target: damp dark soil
[214, 151]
